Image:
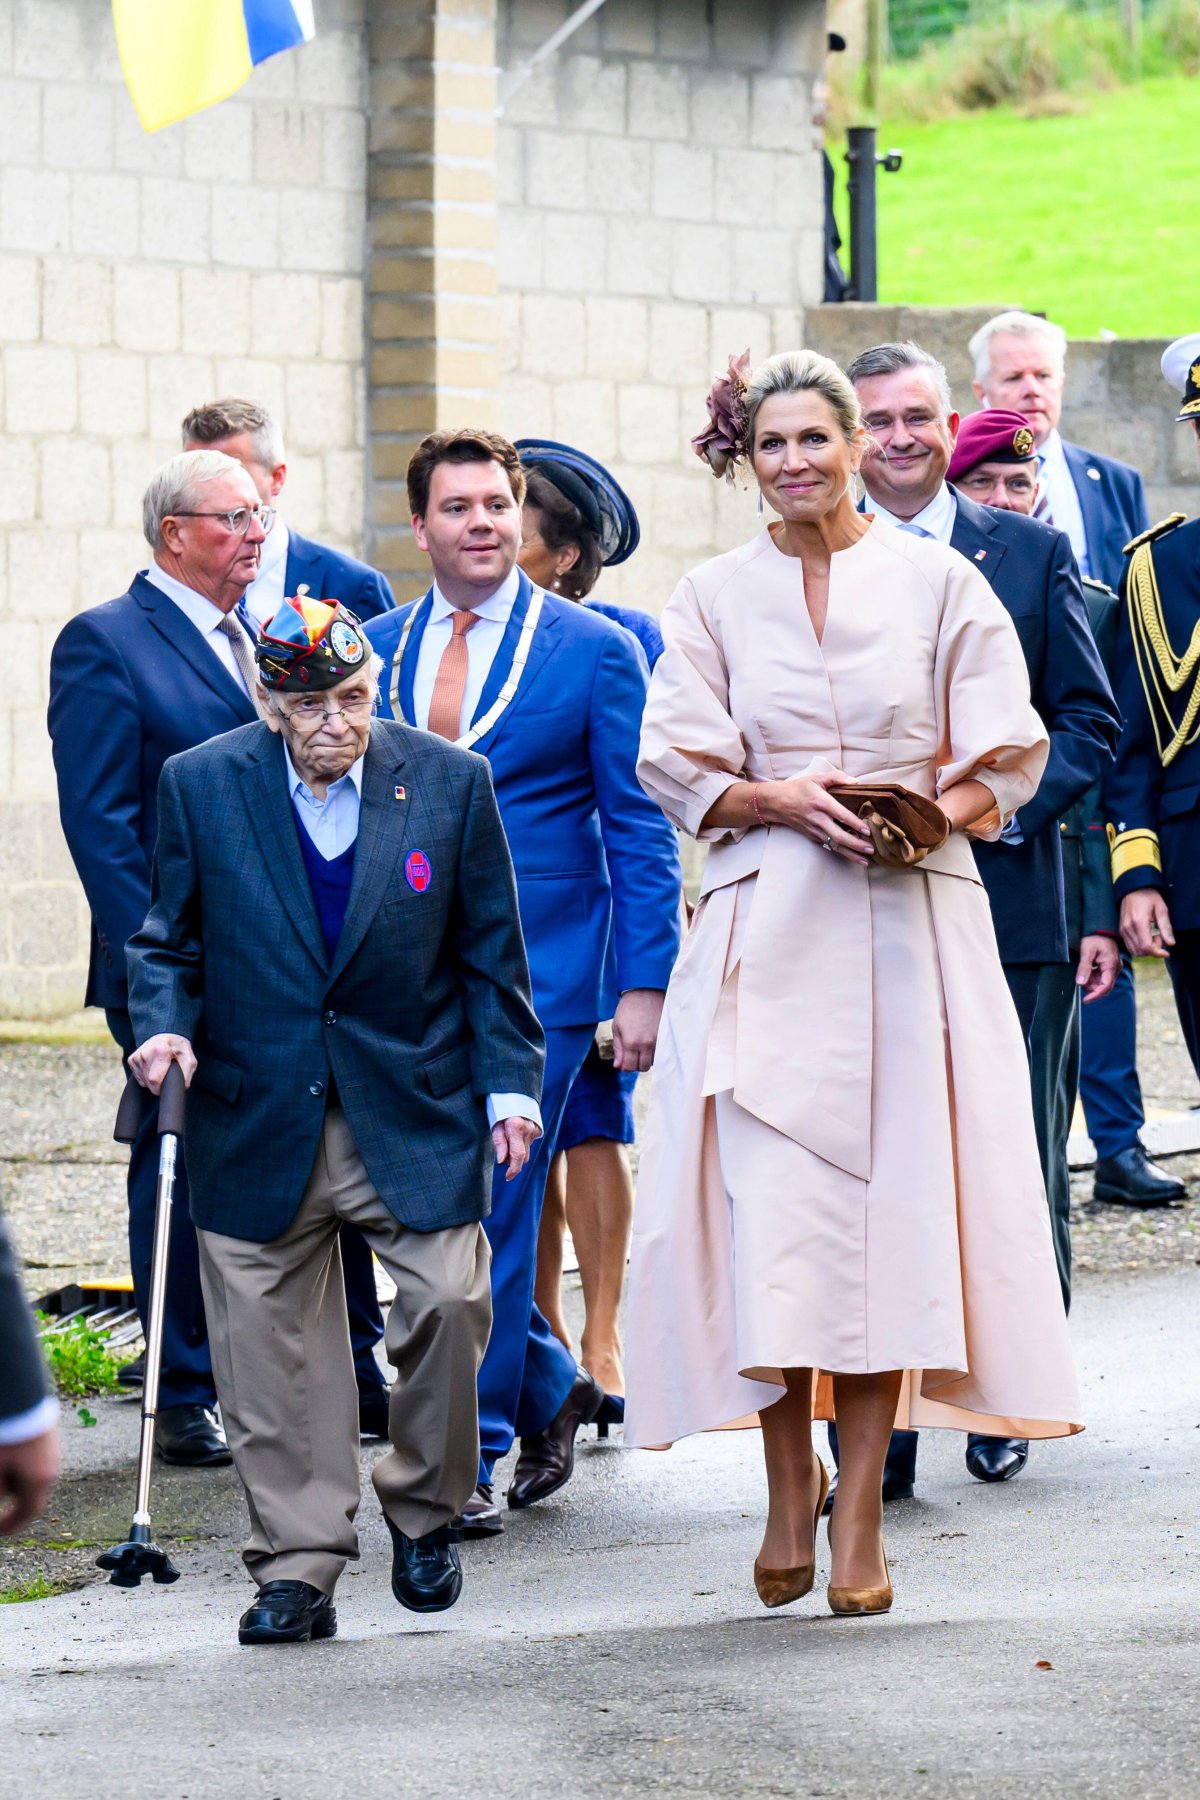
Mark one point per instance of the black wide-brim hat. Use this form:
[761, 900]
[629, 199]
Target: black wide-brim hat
[606, 507]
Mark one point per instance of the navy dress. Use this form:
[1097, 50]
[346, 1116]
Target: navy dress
[600, 1103]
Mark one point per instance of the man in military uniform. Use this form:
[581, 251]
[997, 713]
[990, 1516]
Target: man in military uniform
[995, 464]
[1152, 794]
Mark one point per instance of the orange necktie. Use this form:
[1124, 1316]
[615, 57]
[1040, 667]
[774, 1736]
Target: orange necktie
[450, 683]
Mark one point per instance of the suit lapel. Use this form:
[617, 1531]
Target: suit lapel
[264, 783]
[408, 666]
[182, 635]
[547, 638]
[972, 537]
[305, 567]
[380, 845]
[1091, 504]
[503, 659]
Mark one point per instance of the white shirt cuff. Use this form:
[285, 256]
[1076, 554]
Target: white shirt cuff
[27, 1425]
[513, 1106]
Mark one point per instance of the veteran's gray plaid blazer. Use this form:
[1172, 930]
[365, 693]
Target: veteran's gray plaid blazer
[424, 1010]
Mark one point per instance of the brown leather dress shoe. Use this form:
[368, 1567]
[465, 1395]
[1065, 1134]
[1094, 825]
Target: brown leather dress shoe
[547, 1460]
[480, 1517]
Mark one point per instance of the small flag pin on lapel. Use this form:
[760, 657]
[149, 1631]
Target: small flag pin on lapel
[979, 555]
[401, 793]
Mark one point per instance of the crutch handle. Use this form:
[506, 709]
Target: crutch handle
[136, 1099]
[130, 1112]
[171, 1101]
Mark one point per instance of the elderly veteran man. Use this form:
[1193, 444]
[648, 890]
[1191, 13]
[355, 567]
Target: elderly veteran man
[1152, 795]
[911, 419]
[132, 682]
[247, 432]
[334, 954]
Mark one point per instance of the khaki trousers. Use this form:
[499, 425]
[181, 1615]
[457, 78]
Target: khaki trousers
[285, 1375]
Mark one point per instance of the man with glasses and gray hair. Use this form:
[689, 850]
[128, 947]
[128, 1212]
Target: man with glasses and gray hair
[247, 432]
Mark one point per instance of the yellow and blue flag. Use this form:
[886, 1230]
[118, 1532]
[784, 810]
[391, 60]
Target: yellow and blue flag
[180, 56]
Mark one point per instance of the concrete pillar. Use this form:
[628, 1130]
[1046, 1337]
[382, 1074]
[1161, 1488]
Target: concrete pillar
[431, 251]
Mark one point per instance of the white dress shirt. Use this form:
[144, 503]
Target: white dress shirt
[483, 641]
[935, 520]
[265, 595]
[1066, 514]
[332, 826]
[22, 1427]
[206, 617]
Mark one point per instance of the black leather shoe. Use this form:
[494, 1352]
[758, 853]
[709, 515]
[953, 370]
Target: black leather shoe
[1131, 1179]
[996, 1459]
[190, 1437]
[373, 1412]
[288, 1612]
[426, 1572]
[132, 1374]
[480, 1517]
[892, 1490]
[547, 1460]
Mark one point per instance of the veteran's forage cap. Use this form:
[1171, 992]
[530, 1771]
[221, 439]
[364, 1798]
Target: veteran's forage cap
[310, 645]
[1181, 366]
[993, 435]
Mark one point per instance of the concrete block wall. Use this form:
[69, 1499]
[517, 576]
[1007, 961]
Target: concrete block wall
[660, 207]
[139, 275]
[1116, 401]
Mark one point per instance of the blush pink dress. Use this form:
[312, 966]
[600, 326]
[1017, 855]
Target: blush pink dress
[840, 1169]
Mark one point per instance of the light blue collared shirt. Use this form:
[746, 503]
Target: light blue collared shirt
[332, 826]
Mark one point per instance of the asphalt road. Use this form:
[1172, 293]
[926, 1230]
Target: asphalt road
[611, 1643]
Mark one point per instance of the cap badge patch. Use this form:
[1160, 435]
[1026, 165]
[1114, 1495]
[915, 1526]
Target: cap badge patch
[345, 644]
[1023, 441]
[417, 871]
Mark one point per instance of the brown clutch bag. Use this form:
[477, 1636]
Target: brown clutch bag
[905, 826]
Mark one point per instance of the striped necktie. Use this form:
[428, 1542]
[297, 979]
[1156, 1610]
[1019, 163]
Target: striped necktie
[1041, 506]
[450, 682]
[243, 651]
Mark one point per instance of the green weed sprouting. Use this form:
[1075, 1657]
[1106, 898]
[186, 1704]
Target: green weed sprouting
[80, 1360]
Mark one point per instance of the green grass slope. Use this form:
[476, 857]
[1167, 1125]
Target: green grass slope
[1093, 217]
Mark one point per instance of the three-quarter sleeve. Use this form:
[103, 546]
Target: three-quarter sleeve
[691, 749]
[988, 730]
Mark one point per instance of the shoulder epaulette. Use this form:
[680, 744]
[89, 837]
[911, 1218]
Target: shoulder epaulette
[1156, 531]
[1101, 587]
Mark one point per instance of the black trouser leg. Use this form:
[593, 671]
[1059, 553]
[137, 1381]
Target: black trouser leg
[362, 1308]
[1183, 966]
[1056, 1050]
[186, 1372]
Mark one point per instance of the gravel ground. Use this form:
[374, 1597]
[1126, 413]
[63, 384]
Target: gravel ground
[62, 1177]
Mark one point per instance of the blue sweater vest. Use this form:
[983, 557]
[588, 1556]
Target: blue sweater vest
[330, 884]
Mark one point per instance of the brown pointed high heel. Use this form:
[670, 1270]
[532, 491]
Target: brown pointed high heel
[779, 1587]
[860, 1602]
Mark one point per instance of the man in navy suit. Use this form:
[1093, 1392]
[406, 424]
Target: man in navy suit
[552, 695]
[288, 561]
[908, 411]
[1020, 362]
[132, 682]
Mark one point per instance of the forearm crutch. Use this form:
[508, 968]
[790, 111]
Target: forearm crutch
[141, 1555]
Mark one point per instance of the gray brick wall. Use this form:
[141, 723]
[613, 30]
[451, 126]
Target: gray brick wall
[138, 275]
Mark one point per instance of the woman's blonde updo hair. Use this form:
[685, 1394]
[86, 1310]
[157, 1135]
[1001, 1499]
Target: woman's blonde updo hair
[734, 400]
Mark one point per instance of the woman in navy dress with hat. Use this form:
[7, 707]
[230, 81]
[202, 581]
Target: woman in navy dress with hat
[577, 522]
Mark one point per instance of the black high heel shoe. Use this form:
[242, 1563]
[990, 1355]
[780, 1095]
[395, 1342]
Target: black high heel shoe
[612, 1412]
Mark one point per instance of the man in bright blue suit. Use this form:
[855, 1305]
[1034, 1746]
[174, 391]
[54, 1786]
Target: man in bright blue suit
[248, 433]
[908, 411]
[1020, 361]
[133, 681]
[552, 695]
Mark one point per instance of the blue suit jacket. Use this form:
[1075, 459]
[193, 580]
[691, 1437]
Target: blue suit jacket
[598, 873]
[1112, 500]
[1033, 571]
[132, 682]
[331, 575]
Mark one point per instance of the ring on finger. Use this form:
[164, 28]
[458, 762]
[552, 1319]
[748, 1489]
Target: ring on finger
[827, 843]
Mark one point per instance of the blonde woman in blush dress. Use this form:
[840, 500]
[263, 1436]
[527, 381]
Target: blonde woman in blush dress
[840, 1208]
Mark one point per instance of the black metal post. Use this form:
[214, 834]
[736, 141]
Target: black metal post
[864, 273]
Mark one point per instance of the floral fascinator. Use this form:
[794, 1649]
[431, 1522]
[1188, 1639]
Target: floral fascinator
[724, 443]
